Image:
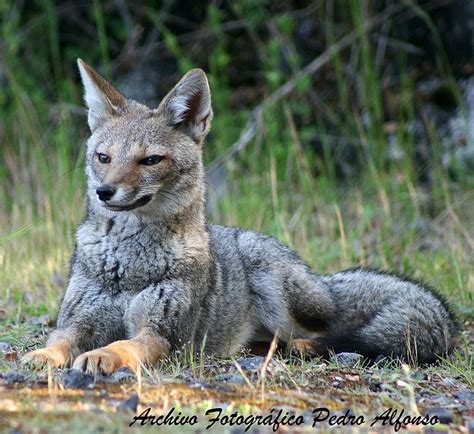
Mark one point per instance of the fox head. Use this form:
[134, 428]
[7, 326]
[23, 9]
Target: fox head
[141, 159]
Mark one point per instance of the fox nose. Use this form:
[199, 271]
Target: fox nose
[105, 192]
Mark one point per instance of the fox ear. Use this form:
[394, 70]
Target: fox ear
[102, 99]
[188, 105]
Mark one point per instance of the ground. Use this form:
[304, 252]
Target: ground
[65, 400]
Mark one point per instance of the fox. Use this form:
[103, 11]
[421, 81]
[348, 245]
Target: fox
[149, 275]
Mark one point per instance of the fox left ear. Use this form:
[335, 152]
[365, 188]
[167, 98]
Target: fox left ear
[102, 99]
[188, 105]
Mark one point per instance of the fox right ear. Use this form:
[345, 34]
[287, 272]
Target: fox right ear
[188, 105]
[102, 99]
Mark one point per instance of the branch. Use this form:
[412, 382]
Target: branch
[251, 127]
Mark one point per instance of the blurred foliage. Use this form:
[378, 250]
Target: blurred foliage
[366, 131]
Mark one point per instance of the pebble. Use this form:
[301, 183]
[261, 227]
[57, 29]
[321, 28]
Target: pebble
[131, 403]
[444, 415]
[4, 346]
[11, 377]
[450, 382]
[470, 425]
[440, 400]
[76, 379]
[348, 360]
[465, 395]
[231, 378]
[122, 374]
[253, 363]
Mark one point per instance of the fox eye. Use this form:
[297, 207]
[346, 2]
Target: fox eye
[104, 159]
[151, 160]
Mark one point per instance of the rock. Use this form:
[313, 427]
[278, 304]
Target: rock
[348, 360]
[440, 400]
[470, 425]
[465, 395]
[231, 378]
[444, 415]
[4, 346]
[252, 363]
[122, 374]
[450, 382]
[308, 417]
[76, 379]
[12, 377]
[131, 403]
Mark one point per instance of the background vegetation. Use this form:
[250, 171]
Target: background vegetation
[367, 161]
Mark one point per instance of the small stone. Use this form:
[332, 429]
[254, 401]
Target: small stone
[4, 346]
[355, 378]
[308, 417]
[131, 403]
[12, 377]
[444, 415]
[231, 378]
[465, 395]
[440, 400]
[348, 360]
[470, 425]
[122, 374]
[449, 382]
[253, 363]
[76, 379]
[41, 377]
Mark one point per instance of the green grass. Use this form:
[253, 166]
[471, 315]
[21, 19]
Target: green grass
[382, 215]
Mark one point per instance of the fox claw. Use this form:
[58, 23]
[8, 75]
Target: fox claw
[44, 356]
[100, 360]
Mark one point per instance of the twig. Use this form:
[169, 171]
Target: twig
[253, 121]
[268, 358]
[196, 36]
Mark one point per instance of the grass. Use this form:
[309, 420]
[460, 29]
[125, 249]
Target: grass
[386, 213]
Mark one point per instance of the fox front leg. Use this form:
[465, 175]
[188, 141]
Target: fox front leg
[57, 351]
[88, 318]
[155, 320]
[144, 349]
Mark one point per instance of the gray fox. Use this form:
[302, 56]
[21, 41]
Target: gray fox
[148, 275]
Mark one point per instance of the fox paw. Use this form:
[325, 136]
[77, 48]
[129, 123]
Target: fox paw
[302, 346]
[99, 360]
[44, 356]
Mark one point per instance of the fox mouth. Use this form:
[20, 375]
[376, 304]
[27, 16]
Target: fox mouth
[137, 204]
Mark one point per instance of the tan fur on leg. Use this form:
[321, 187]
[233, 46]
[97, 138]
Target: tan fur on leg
[144, 349]
[56, 353]
[303, 346]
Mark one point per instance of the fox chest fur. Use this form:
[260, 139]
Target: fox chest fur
[127, 255]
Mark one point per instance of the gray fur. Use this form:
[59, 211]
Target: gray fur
[161, 267]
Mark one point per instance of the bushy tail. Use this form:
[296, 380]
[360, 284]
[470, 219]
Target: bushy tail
[385, 314]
